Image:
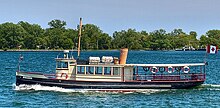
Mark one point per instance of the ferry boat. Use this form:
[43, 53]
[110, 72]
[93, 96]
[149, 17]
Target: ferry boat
[114, 74]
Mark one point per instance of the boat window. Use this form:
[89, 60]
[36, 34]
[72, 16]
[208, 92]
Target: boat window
[80, 70]
[98, 70]
[90, 70]
[61, 64]
[107, 70]
[116, 71]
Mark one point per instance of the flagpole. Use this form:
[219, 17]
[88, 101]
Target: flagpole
[19, 60]
[206, 54]
[205, 57]
[19, 63]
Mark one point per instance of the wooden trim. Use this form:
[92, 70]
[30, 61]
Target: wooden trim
[122, 74]
[94, 70]
[103, 70]
[85, 70]
[112, 71]
[76, 70]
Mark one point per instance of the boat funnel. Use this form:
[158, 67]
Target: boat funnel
[123, 55]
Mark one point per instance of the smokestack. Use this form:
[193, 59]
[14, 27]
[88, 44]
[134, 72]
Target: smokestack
[123, 55]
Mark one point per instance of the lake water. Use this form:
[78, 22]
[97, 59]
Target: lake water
[207, 95]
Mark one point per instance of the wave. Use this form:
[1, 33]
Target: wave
[10, 67]
[38, 87]
[24, 87]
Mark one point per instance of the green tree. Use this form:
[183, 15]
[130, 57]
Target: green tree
[193, 33]
[203, 41]
[58, 37]
[54, 36]
[127, 39]
[34, 35]
[92, 37]
[158, 40]
[213, 37]
[12, 35]
[57, 24]
[145, 40]
[73, 35]
[104, 41]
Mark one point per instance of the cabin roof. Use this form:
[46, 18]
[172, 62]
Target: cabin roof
[145, 65]
[166, 65]
[108, 65]
[66, 59]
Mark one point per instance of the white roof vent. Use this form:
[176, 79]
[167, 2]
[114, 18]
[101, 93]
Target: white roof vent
[107, 59]
[66, 51]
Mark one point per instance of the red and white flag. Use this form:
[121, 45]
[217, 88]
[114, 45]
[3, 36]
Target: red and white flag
[212, 49]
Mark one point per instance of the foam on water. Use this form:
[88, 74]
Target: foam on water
[211, 85]
[37, 87]
[24, 87]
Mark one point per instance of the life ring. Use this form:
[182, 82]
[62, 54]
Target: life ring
[146, 68]
[154, 69]
[186, 69]
[170, 69]
[64, 76]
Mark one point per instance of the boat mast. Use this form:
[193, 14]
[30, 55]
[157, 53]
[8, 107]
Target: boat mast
[79, 37]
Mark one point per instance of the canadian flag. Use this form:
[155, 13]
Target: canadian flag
[212, 49]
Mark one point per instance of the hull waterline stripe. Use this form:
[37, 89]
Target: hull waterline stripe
[86, 85]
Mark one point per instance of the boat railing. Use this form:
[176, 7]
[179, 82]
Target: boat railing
[180, 77]
[142, 77]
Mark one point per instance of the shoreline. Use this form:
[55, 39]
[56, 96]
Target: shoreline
[74, 50]
[88, 50]
[45, 50]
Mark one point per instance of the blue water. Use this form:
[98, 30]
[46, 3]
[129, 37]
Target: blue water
[208, 95]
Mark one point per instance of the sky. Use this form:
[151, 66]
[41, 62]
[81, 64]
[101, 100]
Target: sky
[117, 15]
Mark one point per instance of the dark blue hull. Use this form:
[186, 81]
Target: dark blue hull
[109, 85]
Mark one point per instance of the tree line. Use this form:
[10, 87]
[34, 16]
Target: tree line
[32, 36]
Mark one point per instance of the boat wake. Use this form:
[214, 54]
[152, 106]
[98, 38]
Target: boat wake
[213, 87]
[37, 87]
[25, 87]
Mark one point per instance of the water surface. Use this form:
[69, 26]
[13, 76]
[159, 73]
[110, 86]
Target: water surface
[207, 95]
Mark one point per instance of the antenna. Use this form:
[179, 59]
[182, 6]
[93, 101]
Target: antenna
[80, 32]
